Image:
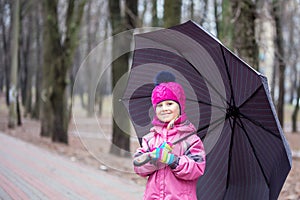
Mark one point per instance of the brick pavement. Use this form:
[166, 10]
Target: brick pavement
[29, 172]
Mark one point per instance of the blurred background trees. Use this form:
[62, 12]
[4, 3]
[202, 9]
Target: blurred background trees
[43, 44]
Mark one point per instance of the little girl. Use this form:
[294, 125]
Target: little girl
[173, 170]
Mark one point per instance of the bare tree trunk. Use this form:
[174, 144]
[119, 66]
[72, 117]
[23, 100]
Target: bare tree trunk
[52, 50]
[13, 90]
[277, 6]
[2, 44]
[217, 18]
[120, 139]
[102, 90]
[155, 20]
[244, 43]
[192, 9]
[38, 74]
[19, 118]
[205, 11]
[296, 110]
[116, 24]
[273, 81]
[58, 57]
[292, 53]
[27, 72]
[89, 67]
[223, 22]
[172, 12]
[6, 38]
[132, 19]
[59, 105]
[294, 81]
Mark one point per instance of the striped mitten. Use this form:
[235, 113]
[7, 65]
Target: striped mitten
[162, 153]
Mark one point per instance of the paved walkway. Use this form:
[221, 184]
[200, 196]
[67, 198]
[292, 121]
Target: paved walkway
[29, 172]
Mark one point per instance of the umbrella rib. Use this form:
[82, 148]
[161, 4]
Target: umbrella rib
[209, 83]
[254, 121]
[254, 152]
[260, 125]
[200, 129]
[213, 123]
[229, 77]
[232, 125]
[205, 103]
[252, 95]
[127, 99]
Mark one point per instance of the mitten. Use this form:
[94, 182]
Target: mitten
[167, 146]
[162, 153]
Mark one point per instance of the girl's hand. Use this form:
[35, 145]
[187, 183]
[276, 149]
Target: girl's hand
[167, 146]
[142, 159]
[162, 153]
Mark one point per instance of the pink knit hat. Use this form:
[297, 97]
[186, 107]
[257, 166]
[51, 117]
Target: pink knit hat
[167, 89]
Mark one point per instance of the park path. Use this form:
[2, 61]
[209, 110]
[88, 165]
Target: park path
[29, 172]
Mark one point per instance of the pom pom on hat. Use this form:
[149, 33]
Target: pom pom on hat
[164, 77]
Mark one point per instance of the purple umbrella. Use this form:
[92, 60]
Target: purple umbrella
[248, 156]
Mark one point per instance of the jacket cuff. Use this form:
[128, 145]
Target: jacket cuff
[175, 163]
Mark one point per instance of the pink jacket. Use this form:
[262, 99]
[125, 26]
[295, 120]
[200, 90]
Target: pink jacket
[179, 181]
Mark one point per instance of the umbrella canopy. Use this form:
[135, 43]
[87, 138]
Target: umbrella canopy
[229, 102]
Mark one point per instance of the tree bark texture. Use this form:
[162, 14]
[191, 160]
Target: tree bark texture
[58, 57]
[6, 40]
[38, 73]
[172, 12]
[296, 110]
[121, 140]
[26, 66]
[224, 24]
[90, 103]
[13, 90]
[131, 14]
[155, 20]
[244, 41]
[279, 55]
[52, 51]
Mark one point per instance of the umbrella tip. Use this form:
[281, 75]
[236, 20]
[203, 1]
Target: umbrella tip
[164, 77]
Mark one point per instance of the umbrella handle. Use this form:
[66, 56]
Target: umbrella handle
[141, 160]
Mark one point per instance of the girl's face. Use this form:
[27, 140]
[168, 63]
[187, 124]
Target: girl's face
[167, 110]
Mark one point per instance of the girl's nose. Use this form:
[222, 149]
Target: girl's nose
[164, 107]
